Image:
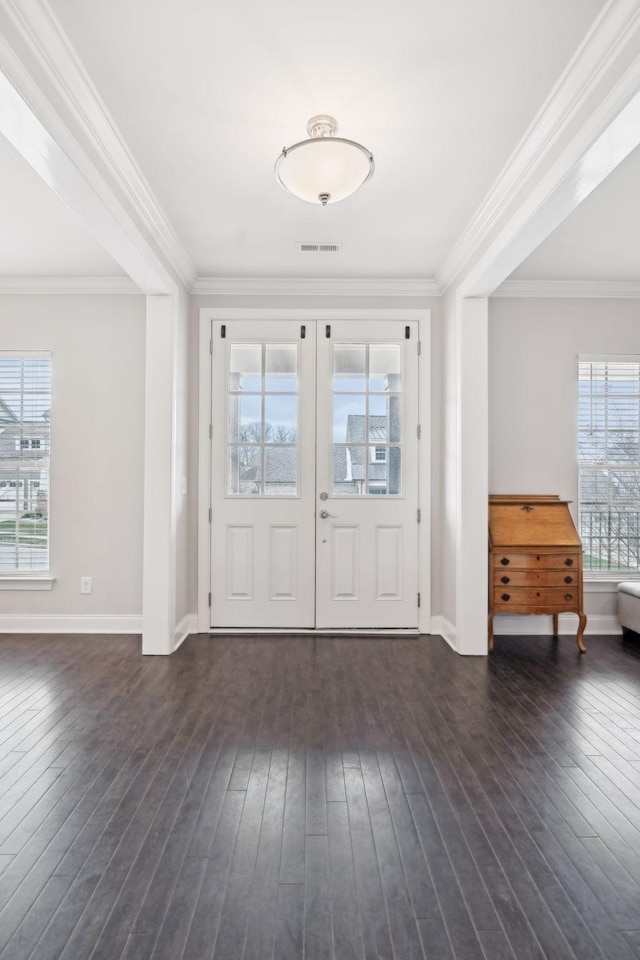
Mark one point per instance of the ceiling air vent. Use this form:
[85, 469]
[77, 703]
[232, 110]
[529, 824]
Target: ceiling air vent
[319, 247]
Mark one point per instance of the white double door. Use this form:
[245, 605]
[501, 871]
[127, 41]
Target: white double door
[314, 520]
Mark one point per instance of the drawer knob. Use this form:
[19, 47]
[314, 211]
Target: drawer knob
[505, 579]
[568, 596]
[505, 561]
[568, 562]
[505, 597]
[568, 579]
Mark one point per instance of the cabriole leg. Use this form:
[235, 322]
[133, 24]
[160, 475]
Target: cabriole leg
[581, 626]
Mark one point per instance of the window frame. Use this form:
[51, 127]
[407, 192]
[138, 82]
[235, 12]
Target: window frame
[31, 577]
[609, 575]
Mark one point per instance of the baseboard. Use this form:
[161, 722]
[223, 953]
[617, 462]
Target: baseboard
[187, 626]
[300, 632]
[445, 629]
[567, 624]
[70, 623]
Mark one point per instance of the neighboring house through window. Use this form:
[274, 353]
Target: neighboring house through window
[609, 465]
[25, 404]
[30, 443]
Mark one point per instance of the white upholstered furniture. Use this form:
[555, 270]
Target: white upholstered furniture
[629, 604]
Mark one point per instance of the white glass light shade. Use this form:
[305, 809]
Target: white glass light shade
[325, 169]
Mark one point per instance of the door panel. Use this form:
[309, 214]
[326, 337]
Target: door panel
[367, 476]
[263, 481]
[314, 475]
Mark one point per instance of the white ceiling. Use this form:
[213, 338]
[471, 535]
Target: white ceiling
[600, 240]
[206, 95]
[40, 236]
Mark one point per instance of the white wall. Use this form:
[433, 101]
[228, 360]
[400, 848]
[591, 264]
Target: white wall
[97, 421]
[329, 303]
[533, 350]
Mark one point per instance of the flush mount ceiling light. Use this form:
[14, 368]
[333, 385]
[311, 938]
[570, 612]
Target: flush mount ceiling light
[325, 168]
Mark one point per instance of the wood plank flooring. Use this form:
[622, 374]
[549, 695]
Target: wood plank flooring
[283, 798]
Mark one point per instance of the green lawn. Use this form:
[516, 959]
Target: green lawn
[30, 533]
[596, 563]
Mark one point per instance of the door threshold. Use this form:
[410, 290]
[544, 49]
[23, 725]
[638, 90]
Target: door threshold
[312, 632]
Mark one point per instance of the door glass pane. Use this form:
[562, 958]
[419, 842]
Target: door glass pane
[245, 419]
[262, 413]
[349, 469]
[245, 470]
[384, 471]
[367, 419]
[348, 412]
[280, 471]
[384, 367]
[245, 367]
[350, 367]
[385, 412]
[281, 367]
[281, 419]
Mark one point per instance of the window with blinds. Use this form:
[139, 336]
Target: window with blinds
[609, 464]
[25, 405]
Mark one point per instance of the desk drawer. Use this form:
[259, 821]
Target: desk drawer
[508, 596]
[566, 577]
[536, 561]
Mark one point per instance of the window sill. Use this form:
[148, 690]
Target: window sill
[29, 582]
[605, 586]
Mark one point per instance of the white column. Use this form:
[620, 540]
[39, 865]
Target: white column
[159, 580]
[473, 476]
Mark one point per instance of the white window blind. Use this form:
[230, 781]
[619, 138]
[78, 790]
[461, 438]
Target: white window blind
[25, 404]
[609, 465]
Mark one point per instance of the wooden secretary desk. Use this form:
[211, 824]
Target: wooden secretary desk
[535, 560]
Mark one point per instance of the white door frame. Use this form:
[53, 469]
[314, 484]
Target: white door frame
[207, 314]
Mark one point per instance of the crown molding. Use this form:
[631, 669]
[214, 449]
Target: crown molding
[602, 289]
[122, 286]
[54, 54]
[597, 84]
[273, 287]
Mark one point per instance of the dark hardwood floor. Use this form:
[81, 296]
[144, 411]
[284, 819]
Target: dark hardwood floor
[281, 798]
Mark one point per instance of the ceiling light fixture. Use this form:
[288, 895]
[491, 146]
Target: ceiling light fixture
[325, 168]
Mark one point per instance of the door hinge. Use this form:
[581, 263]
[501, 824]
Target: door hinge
[327, 331]
[419, 432]
[210, 431]
[303, 332]
[211, 347]
[209, 598]
[419, 347]
[210, 515]
[419, 515]
[418, 599]
[407, 333]
[223, 331]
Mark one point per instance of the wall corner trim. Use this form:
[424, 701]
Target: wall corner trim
[445, 629]
[187, 626]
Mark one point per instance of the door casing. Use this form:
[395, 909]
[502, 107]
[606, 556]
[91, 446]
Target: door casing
[207, 314]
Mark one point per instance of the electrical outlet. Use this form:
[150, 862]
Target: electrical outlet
[85, 585]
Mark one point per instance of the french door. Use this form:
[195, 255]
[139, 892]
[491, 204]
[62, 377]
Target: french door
[314, 520]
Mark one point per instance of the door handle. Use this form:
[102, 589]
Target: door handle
[325, 513]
